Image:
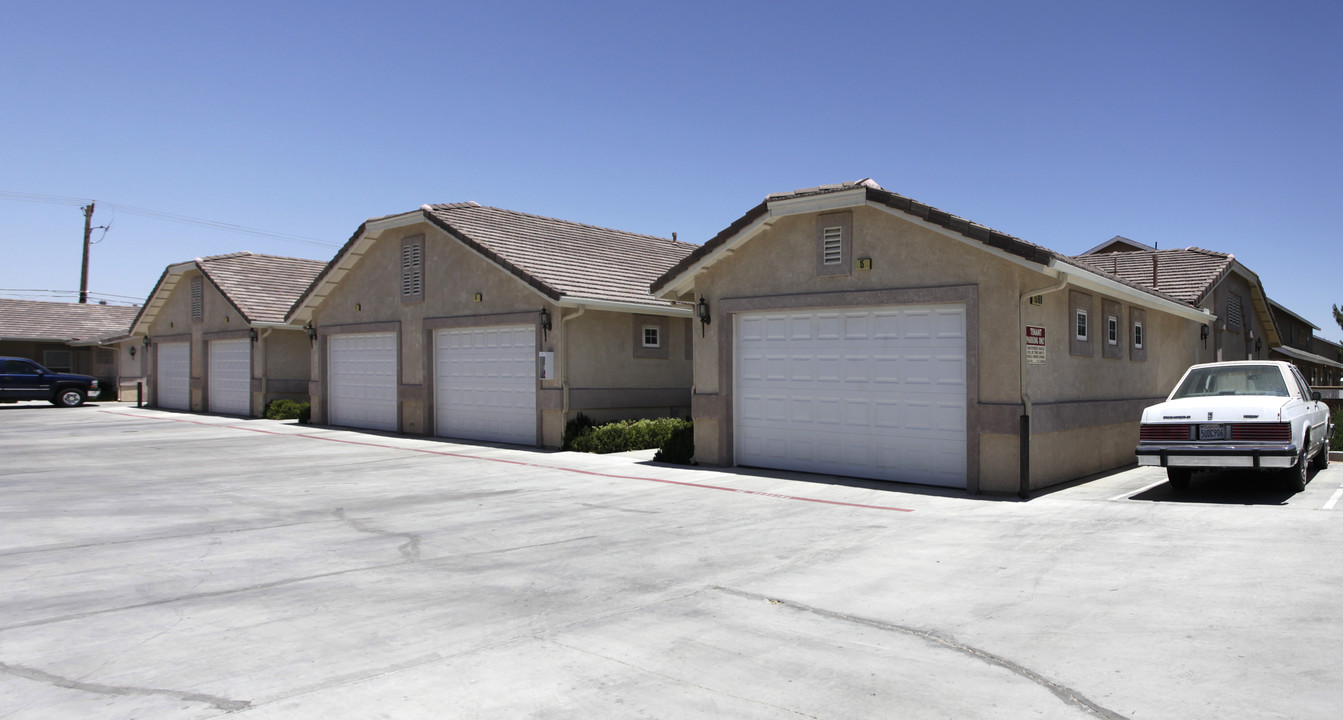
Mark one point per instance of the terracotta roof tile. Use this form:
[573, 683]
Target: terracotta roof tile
[62, 322]
[1186, 274]
[564, 258]
[262, 287]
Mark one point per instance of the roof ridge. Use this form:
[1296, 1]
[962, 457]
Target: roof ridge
[240, 253]
[574, 223]
[231, 256]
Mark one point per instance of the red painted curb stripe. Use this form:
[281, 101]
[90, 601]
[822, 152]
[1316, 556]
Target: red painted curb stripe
[465, 456]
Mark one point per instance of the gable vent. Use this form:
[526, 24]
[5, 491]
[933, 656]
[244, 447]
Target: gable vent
[1234, 315]
[197, 299]
[412, 270]
[832, 245]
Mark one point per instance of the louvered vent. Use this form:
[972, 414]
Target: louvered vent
[197, 299]
[832, 245]
[1233, 313]
[412, 270]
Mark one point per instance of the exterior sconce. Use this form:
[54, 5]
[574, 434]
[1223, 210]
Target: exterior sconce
[1203, 335]
[132, 349]
[146, 342]
[702, 311]
[311, 331]
[1258, 345]
[545, 323]
[251, 333]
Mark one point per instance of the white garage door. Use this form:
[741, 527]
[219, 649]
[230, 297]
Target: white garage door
[485, 383]
[230, 385]
[174, 376]
[361, 380]
[867, 392]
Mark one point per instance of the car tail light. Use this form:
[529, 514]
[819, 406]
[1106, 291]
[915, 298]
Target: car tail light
[1262, 432]
[1165, 432]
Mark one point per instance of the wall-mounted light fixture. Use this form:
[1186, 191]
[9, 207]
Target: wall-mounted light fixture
[251, 333]
[702, 311]
[545, 323]
[146, 341]
[311, 331]
[358, 307]
[1258, 345]
[478, 297]
[132, 349]
[1203, 335]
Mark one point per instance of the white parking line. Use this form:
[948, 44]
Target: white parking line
[1140, 491]
[1333, 500]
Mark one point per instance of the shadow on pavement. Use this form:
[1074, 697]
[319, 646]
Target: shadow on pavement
[1224, 487]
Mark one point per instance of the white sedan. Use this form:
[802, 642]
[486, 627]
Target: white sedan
[1249, 414]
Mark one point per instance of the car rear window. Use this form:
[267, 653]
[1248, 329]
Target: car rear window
[1238, 380]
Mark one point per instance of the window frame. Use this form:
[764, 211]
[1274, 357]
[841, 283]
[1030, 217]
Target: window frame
[656, 336]
[1081, 325]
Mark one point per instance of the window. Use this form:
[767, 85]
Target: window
[197, 298]
[1082, 325]
[412, 269]
[834, 243]
[1081, 304]
[57, 360]
[1112, 330]
[652, 336]
[1137, 335]
[19, 367]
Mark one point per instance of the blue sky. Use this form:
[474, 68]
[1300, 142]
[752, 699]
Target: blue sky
[1215, 124]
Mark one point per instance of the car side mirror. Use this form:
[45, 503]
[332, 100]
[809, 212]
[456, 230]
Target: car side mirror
[1315, 396]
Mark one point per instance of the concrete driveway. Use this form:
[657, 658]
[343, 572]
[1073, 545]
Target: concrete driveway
[166, 565]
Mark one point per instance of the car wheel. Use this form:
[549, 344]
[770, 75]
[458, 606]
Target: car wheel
[1179, 477]
[70, 397]
[1322, 457]
[1298, 475]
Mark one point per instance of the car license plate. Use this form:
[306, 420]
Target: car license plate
[1211, 432]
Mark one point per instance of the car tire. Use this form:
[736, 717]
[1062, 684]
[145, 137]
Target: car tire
[1321, 461]
[69, 397]
[1299, 474]
[1179, 477]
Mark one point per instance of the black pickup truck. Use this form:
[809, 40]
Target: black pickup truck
[23, 379]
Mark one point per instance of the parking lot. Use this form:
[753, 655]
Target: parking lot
[168, 565]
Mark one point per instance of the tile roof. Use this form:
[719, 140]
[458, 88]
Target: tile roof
[262, 287]
[1186, 274]
[62, 322]
[562, 258]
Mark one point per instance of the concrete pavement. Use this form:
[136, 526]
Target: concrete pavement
[168, 565]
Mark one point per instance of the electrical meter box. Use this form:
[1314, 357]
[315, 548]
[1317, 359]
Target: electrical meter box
[546, 365]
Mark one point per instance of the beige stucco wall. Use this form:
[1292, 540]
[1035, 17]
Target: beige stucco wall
[368, 298]
[1098, 396]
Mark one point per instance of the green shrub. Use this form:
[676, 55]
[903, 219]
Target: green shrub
[1337, 442]
[579, 426]
[679, 447]
[286, 409]
[625, 436]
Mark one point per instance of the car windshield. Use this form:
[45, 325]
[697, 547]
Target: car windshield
[1235, 380]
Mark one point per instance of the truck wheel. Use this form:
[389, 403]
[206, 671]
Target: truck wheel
[69, 397]
[1179, 477]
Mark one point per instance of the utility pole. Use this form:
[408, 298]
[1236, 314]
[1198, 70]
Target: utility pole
[84, 269]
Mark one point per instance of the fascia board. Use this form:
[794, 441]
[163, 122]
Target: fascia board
[818, 203]
[302, 310]
[685, 282]
[159, 297]
[374, 227]
[1086, 279]
[569, 301]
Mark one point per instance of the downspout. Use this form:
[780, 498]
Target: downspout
[564, 358]
[265, 367]
[1023, 490]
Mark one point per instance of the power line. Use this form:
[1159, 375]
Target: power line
[160, 215]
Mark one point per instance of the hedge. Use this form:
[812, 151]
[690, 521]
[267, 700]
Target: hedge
[286, 409]
[674, 439]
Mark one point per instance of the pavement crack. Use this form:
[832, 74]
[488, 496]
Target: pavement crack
[410, 549]
[681, 680]
[42, 676]
[1060, 691]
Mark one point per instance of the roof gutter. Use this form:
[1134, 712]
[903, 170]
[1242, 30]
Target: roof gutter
[569, 301]
[1086, 279]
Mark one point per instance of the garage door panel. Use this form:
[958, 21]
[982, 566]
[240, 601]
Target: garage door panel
[362, 380]
[174, 376]
[485, 383]
[872, 392]
[230, 385]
